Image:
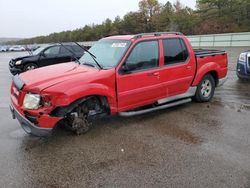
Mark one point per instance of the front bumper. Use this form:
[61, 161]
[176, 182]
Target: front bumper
[14, 70]
[242, 70]
[243, 76]
[28, 126]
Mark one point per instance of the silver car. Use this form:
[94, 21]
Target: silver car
[16, 48]
[3, 49]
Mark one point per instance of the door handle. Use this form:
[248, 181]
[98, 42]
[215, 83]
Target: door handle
[154, 74]
[189, 67]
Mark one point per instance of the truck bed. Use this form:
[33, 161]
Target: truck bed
[205, 52]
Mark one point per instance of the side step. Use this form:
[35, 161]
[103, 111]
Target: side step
[169, 105]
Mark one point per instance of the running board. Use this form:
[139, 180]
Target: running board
[190, 93]
[169, 105]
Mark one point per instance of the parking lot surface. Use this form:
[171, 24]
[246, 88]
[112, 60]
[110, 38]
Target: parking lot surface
[193, 145]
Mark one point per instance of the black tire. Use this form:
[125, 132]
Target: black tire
[205, 89]
[30, 66]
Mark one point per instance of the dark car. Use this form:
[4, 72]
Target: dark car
[44, 56]
[243, 66]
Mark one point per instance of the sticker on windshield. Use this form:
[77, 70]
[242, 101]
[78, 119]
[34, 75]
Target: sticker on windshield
[118, 45]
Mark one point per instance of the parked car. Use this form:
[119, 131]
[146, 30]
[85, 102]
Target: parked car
[32, 47]
[3, 49]
[16, 48]
[44, 56]
[128, 75]
[243, 66]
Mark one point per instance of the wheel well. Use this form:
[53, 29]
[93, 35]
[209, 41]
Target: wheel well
[28, 63]
[215, 76]
[63, 111]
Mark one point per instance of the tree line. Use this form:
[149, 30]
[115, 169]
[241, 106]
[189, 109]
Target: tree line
[210, 16]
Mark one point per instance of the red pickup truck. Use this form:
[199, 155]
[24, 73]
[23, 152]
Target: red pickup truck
[128, 75]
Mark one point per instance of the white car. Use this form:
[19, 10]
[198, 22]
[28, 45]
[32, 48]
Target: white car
[3, 49]
[16, 48]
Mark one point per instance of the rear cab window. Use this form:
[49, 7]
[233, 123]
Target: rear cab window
[65, 49]
[77, 49]
[175, 51]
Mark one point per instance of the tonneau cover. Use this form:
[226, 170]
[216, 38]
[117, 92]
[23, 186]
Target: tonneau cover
[205, 52]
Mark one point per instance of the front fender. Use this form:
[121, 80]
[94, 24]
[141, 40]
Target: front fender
[76, 93]
[32, 59]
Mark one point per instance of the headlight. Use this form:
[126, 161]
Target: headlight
[243, 57]
[18, 62]
[31, 101]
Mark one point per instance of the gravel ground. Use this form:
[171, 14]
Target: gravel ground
[193, 145]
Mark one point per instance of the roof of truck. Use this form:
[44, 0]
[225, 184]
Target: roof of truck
[143, 35]
[121, 37]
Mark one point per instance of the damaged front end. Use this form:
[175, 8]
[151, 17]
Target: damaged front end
[31, 110]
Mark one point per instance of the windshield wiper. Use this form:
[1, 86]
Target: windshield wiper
[73, 53]
[92, 55]
[88, 64]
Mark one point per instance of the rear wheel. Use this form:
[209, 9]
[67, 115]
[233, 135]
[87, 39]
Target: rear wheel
[205, 89]
[30, 66]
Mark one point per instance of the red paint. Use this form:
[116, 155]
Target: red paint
[65, 83]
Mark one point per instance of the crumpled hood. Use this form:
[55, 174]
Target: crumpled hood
[45, 77]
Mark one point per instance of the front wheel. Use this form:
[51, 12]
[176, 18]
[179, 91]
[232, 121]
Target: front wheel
[205, 89]
[78, 119]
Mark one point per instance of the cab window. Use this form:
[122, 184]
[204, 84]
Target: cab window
[145, 55]
[65, 50]
[76, 48]
[175, 51]
[52, 50]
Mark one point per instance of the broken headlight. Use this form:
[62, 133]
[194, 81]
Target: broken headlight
[31, 101]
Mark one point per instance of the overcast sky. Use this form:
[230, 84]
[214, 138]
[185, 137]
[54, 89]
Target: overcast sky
[29, 18]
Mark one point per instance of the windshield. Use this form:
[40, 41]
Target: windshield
[38, 50]
[108, 53]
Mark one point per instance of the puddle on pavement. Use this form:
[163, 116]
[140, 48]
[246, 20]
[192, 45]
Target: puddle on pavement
[234, 94]
[183, 135]
[174, 131]
[232, 105]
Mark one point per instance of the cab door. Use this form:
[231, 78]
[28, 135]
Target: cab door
[138, 80]
[178, 68]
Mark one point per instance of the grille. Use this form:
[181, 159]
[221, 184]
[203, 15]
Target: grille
[11, 63]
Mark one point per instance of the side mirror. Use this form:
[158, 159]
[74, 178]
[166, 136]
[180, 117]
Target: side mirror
[129, 66]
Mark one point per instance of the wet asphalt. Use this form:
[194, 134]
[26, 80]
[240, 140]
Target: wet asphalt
[193, 145]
